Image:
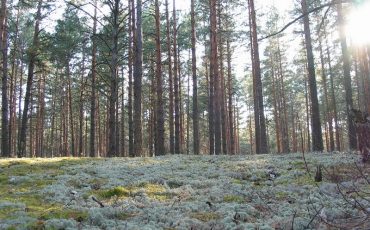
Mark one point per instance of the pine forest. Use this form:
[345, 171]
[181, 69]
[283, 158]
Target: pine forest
[185, 114]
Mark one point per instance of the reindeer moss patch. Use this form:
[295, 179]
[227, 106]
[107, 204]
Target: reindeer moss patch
[125, 215]
[205, 216]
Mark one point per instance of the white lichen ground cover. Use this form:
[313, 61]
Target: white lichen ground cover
[184, 192]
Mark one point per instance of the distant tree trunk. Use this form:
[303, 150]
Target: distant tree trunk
[31, 133]
[181, 112]
[170, 82]
[195, 82]
[53, 135]
[211, 128]
[122, 148]
[329, 119]
[284, 117]
[294, 131]
[70, 108]
[138, 74]
[260, 123]
[222, 88]
[237, 128]
[301, 134]
[347, 81]
[113, 97]
[250, 130]
[152, 108]
[176, 83]
[359, 83]
[188, 118]
[5, 144]
[132, 41]
[317, 143]
[308, 112]
[276, 109]
[333, 100]
[93, 88]
[230, 98]
[159, 138]
[99, 128]
[65, 151]
[16, 65]
[209, 82]
[81, 106]
[214, 71]
[182, 102]
[39, 148]
[31, 67]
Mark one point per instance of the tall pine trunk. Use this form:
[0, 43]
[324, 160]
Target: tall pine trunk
[214, 71]
[260, 123]
[70, 108]
[170, 82]
[195, 81]
[159, 138]
[317, 143]
[92, 152]
[176, 83]
[5, 144]
[113, 97]
[138, 74]
[329, 119]
[230, 98]
[31, 68]
[347, 81]
[132, 42]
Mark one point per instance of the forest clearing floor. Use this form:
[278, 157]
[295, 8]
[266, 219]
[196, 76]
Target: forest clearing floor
[186, 192]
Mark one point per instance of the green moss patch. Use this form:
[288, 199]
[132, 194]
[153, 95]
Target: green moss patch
[233, 199]
[117, 191]
[22, 180]
[56, 213]
[153, 191]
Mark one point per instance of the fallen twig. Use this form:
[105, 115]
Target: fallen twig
[97, 201]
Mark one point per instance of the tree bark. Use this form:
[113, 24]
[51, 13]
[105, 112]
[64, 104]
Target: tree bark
[113, 97]
[317, 142]
[92, 152]
[39, 148]
[347, 81]
[195, 82]
[329, 119]
[159, 138]
[170, 82]
[214, 71]
[260, 123]
[176, 83]
[16, 66]
[222, 88]
[70, 108]
[138, 74]
[230, 98]
[31, 67]
[333, 100]
[5, 144]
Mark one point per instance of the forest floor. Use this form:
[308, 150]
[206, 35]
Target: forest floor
[186, 192]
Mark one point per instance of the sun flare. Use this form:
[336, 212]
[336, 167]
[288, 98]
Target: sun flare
[357, 24]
